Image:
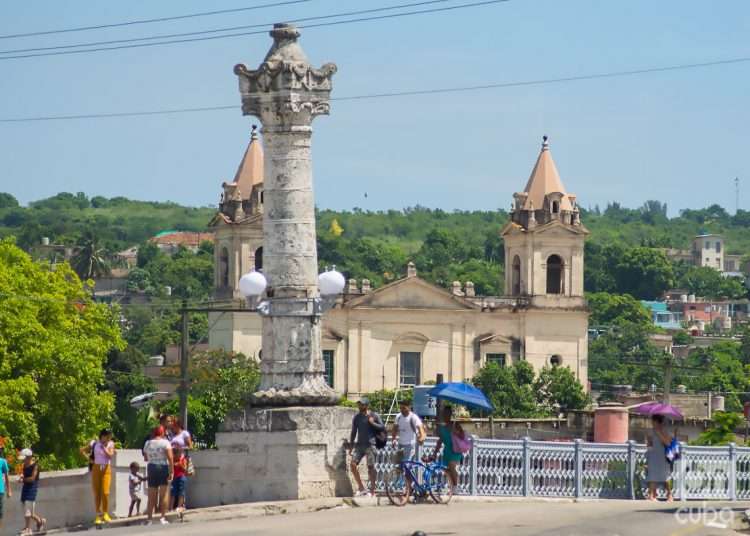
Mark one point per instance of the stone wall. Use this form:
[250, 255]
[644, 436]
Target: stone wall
[65, 499]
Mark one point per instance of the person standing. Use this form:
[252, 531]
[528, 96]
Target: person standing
[4, 483]
[657, 466]
[180, 479]
[445, 430]
[100, 453]
[158, 454]
[30, 480]
[134, 485]
[365, 426]
[408, 430]
[180, 437]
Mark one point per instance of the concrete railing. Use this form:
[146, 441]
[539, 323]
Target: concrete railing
[589, 470]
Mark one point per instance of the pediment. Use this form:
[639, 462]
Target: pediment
[411, 293]
[220, 219]
[556, 227]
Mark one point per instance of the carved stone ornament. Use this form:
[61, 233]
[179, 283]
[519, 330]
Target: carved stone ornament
[285, 83]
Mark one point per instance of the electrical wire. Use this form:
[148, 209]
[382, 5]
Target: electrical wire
[149, 21]
[226, 29]
[242, 34]
[457, 89]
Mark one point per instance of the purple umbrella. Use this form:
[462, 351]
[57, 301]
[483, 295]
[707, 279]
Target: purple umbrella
[659, 408]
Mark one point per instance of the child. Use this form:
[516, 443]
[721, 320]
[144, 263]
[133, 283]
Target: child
[4, 482]
[30, 480]
[134, 481]
[180, 479]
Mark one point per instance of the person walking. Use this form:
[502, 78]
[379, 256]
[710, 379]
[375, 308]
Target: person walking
[30, 480]
[365, 426]
[408, 431]
[4, 483]
[100, 454]
[446, 429]
[657, 466]
[158, 454]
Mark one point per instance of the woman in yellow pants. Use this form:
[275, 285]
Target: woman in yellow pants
[100, 455]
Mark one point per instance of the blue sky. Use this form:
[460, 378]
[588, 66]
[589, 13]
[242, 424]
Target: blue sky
[680, 136]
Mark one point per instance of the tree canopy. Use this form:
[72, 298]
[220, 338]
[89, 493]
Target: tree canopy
[53, 345]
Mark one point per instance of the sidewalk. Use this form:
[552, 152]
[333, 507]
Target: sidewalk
[259, 509]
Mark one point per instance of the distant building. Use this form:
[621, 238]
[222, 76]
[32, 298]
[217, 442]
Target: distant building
[662, 317]
[170, 241]
[406, 332]
[708, 250]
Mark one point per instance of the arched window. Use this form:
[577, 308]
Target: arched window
[555, 207]
[554, 275]
[224, 268]
[516, 276]
[259, 258]
[555, 360]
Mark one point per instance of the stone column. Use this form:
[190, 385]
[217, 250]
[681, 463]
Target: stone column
[286, 93]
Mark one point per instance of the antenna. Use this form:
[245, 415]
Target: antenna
[736, 194]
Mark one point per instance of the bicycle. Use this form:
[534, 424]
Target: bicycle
[403, 481]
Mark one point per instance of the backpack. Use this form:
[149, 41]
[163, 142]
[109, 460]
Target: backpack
[381, 437]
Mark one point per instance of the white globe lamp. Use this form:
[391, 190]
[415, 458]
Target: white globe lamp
[252, 284]
[331, 282]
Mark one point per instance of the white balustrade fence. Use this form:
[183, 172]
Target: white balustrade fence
[588, 470]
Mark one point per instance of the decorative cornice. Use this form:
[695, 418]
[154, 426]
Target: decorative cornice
[285, 83]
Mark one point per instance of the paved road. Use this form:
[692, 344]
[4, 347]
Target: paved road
[599, 518]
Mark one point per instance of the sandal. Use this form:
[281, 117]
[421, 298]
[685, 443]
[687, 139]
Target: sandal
[42, 527]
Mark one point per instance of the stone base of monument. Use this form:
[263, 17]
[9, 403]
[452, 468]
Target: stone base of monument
[269, 454]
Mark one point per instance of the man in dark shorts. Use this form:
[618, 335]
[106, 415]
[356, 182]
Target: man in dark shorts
[365, 425]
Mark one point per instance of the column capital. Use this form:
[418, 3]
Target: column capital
[285, 89]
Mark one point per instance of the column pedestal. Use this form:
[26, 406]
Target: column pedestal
[268, 454]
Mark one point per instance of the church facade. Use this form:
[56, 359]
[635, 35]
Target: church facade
[407, 332]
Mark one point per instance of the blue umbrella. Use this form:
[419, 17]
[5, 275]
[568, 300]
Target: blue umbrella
[462, 393]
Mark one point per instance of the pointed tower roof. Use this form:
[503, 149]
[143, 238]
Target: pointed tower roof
[544, 180]
[250, 172]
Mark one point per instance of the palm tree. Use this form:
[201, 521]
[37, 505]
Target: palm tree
[90, 260]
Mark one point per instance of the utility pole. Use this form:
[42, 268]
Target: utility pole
[668, 365]
[184, 359]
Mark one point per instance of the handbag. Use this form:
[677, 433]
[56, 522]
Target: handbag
[461, 445]
[190, 469]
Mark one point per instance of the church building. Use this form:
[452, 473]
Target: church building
[408, 331]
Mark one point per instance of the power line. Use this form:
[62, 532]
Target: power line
[435, 91]
[148, 21]
[226, 29]
[239, 34]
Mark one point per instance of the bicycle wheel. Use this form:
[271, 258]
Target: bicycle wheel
[396, 487]
[440, 486]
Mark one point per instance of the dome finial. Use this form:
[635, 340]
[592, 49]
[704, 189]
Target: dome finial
[254, 133]
[545, 143]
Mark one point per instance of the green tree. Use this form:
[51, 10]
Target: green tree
[721, 430]
[645, 273]
[722, 370]
[90, 261]
[125, 379]
[618, 310]
[53, 344]
[510, 389]
[558, 390]
[708, 282]
[220, 384]
[7, 200]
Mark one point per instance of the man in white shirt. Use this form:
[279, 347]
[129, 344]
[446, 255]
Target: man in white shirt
[408, 430]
